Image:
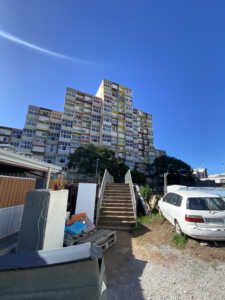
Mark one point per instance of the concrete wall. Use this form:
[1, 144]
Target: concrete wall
[68, 273]
[10, 220]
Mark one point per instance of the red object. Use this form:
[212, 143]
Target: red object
[77, 217]
[194, 219]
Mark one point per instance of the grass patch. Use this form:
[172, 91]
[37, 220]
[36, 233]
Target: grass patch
[143, 220]
[154, 216]
[179, 241]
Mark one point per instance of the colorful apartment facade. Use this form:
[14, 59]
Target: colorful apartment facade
[107, 118]
[10, 136]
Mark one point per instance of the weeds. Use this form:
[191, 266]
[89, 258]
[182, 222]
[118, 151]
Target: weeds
[143, 220]
[179, 241]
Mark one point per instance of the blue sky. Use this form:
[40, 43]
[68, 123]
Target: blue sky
[171, 53]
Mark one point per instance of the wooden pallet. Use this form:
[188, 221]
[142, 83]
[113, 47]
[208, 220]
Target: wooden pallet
[101, 238]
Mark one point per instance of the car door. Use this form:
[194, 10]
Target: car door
[166, 206]
[176, 211]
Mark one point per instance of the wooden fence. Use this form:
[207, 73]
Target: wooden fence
[13, 190]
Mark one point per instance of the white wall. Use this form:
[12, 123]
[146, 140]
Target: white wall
[86, 199]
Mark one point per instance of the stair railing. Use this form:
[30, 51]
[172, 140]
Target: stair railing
[107, 178]
[128, 179]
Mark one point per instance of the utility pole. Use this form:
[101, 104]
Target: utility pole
[96, 173]
[165, 182]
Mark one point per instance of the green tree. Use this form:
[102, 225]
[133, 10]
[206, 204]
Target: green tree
[84, 160]
[138, 177]
[178, 171]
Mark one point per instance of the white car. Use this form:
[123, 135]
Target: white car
[195, 213]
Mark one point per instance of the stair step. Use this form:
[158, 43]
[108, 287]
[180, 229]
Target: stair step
[117, 191]
[117, 200]
[116, 196]
[115, 227]
[116, 209]
[120, 219]
[113, 224]
[119, 184]
[117, 212]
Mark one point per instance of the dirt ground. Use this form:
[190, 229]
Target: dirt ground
[149, 267]
[160, 232]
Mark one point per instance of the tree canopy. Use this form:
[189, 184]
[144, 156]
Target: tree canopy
[178, 171]
[84, 160]
[138, 177]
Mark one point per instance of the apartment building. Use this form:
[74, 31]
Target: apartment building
[81, 122]
[125, 130]
[107, 118]
[10, 136]
[41, 133]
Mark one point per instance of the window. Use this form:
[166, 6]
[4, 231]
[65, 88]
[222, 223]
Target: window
[95, 139]
[107, 108]
[64, 146]
[55, 126]
[39, 141]
[173, 199]
[107, 128]
[77, 122]
[85, 137]
[53, 136]
[50, 148]
[205, 203]
[96, 118]
[4, 139]
[94, 128]
[106, 138]
[129, 143]
[96, 109]
[28, 132]
[25, 145]
[67, 123]
[31, 122]
[129, 124]
[66, 134]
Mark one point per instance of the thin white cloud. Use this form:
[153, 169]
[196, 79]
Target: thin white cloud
[17, 40]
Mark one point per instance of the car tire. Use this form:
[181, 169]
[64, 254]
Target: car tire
[177, 227]
[160, 212]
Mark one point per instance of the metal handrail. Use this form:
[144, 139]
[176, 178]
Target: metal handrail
[128, 179]
[107, 178]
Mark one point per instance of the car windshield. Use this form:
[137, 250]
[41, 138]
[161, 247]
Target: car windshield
[205, 203]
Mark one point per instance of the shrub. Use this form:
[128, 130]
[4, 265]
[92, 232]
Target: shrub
[145, 191]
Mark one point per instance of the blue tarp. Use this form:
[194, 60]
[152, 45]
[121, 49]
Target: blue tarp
[76, 228]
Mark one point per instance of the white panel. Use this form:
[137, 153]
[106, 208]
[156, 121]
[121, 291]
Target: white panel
[55, 224]
[10, 220]
[86, 199]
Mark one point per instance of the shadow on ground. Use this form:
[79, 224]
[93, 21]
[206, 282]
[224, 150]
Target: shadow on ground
[123, 270]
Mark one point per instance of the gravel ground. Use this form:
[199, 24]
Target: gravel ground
[142, 268]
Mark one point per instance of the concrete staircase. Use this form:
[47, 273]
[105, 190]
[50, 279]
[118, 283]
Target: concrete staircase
[117, 210]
